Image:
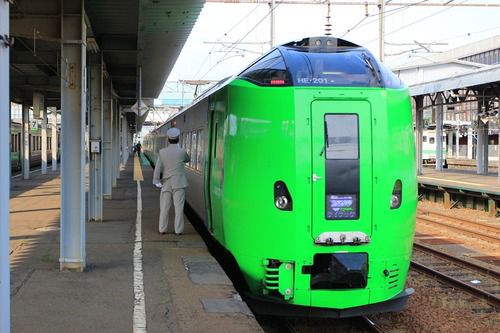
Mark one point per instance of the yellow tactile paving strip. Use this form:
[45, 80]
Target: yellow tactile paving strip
[137, 169]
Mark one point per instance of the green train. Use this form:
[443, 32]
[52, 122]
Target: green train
[303, 168]
[35, 146]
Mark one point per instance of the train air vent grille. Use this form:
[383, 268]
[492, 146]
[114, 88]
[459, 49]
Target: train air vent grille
[393, 277]
[271, 277]
[278, 278]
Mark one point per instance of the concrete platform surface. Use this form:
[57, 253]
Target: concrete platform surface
[185, 289]
[461, 179]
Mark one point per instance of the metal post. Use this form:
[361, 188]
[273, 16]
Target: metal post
[457, 137]
[43, 114]
[26, 141]
[439, 133]
[419, 120]
[73, 99]
[470, 143]
[123, 150]
[117, 140]
[381, 42]
[107, 140]
[4, 171]
[273, 28]
[95, 136]
[55, 147]
[482, 147]
[114, 142]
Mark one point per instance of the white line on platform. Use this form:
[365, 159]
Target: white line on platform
[453, 181]
[139, 297]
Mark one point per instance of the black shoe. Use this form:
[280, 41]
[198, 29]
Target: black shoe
[162, 233]
[178, 234]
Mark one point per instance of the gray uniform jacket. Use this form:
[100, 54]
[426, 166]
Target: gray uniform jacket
[170, 164]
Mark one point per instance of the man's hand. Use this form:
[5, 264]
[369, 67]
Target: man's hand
[157, 184]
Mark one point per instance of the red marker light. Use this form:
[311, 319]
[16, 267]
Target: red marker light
[277, 82]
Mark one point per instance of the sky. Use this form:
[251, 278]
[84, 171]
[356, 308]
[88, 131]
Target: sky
[209, 53]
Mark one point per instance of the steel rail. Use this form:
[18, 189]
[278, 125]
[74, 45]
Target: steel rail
[489, 227]
[490, 298]
[457, 260]
[373, 327]
[476, 234]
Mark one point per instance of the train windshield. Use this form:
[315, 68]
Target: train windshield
[349, 68]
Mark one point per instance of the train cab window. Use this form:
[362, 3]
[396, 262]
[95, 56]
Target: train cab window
[331, 69]
[432, 140]
[342, 167]
[270, 70]
[342, 133]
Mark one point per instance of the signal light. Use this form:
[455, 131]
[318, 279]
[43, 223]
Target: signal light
[277, 82]
[397, 195]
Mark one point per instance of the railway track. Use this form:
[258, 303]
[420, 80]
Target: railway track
[458, 273]
[311, 325]
[480, 230]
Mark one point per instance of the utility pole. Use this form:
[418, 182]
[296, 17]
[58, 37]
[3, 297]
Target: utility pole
[381, 29]
[272, 41]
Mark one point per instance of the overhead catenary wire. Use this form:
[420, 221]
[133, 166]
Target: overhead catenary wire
[225, 35]
[224, 57]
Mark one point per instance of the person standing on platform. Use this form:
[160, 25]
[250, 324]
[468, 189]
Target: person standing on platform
[173, 181]
[138, 148]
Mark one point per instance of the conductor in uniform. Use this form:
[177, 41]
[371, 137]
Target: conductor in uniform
[170, 165]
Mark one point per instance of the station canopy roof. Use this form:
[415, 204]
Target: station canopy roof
[130, 34]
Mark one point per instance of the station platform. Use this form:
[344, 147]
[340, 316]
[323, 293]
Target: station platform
[185, 290]
[462, 186]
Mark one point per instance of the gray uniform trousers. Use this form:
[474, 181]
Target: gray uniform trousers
[177, 195]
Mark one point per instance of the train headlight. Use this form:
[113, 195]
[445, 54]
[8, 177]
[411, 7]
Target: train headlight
[282, 197]
[281, 202]
[396, 196]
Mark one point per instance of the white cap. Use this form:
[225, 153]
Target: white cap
[173, 133]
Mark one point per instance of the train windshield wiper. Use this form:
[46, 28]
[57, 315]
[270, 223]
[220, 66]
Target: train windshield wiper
[375, 72]
[325, 145]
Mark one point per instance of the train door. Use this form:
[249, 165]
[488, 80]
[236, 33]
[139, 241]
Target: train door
[216, 174]
[341, 171]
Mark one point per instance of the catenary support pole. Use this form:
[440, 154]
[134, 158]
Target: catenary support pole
[54, 144]
[95, 135]
[26, 141]
[73, 99]
[43, 114]
[419, 120]
[4, 170]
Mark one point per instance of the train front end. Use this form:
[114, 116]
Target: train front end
[319, 139]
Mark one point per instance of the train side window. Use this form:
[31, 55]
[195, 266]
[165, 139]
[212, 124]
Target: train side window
[268, 71]
[194, 146]
[188, 145]
[200, 150]
[432, 140]
[12, 142]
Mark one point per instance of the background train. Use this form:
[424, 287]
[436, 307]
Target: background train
[35, 146]
[303, 168]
